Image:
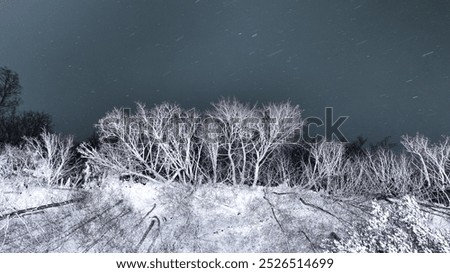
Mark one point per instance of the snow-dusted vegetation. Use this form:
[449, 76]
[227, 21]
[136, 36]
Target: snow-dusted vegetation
[235, 178]
[400, 226]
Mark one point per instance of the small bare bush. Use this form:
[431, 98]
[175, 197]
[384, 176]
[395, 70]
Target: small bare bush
[13, 161]
[50, 156]
[326, 167]
[432, 160]
[388, 174]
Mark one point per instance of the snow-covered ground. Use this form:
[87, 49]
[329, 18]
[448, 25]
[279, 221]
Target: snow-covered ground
[120, 216]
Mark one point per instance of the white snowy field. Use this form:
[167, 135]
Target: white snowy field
[123, 216]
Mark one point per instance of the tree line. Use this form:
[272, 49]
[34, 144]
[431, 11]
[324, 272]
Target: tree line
[13, 125]
[231, 143]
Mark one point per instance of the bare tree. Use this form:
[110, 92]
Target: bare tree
[274, 126]
[126, 148]
[210, 145]
[433, 162]
[282, 168]
[157, 144]
[13, 127]
[233, 138]
[52, 154]
[388, 174]
[9, 90]
[180, 144]
[327, 166]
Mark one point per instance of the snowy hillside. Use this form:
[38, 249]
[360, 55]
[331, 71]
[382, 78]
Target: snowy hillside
[130, 217]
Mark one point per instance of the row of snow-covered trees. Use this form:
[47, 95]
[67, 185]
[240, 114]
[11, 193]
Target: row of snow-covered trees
[236, 144]
[232, 143]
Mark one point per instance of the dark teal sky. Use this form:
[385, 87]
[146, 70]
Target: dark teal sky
[384, 63]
